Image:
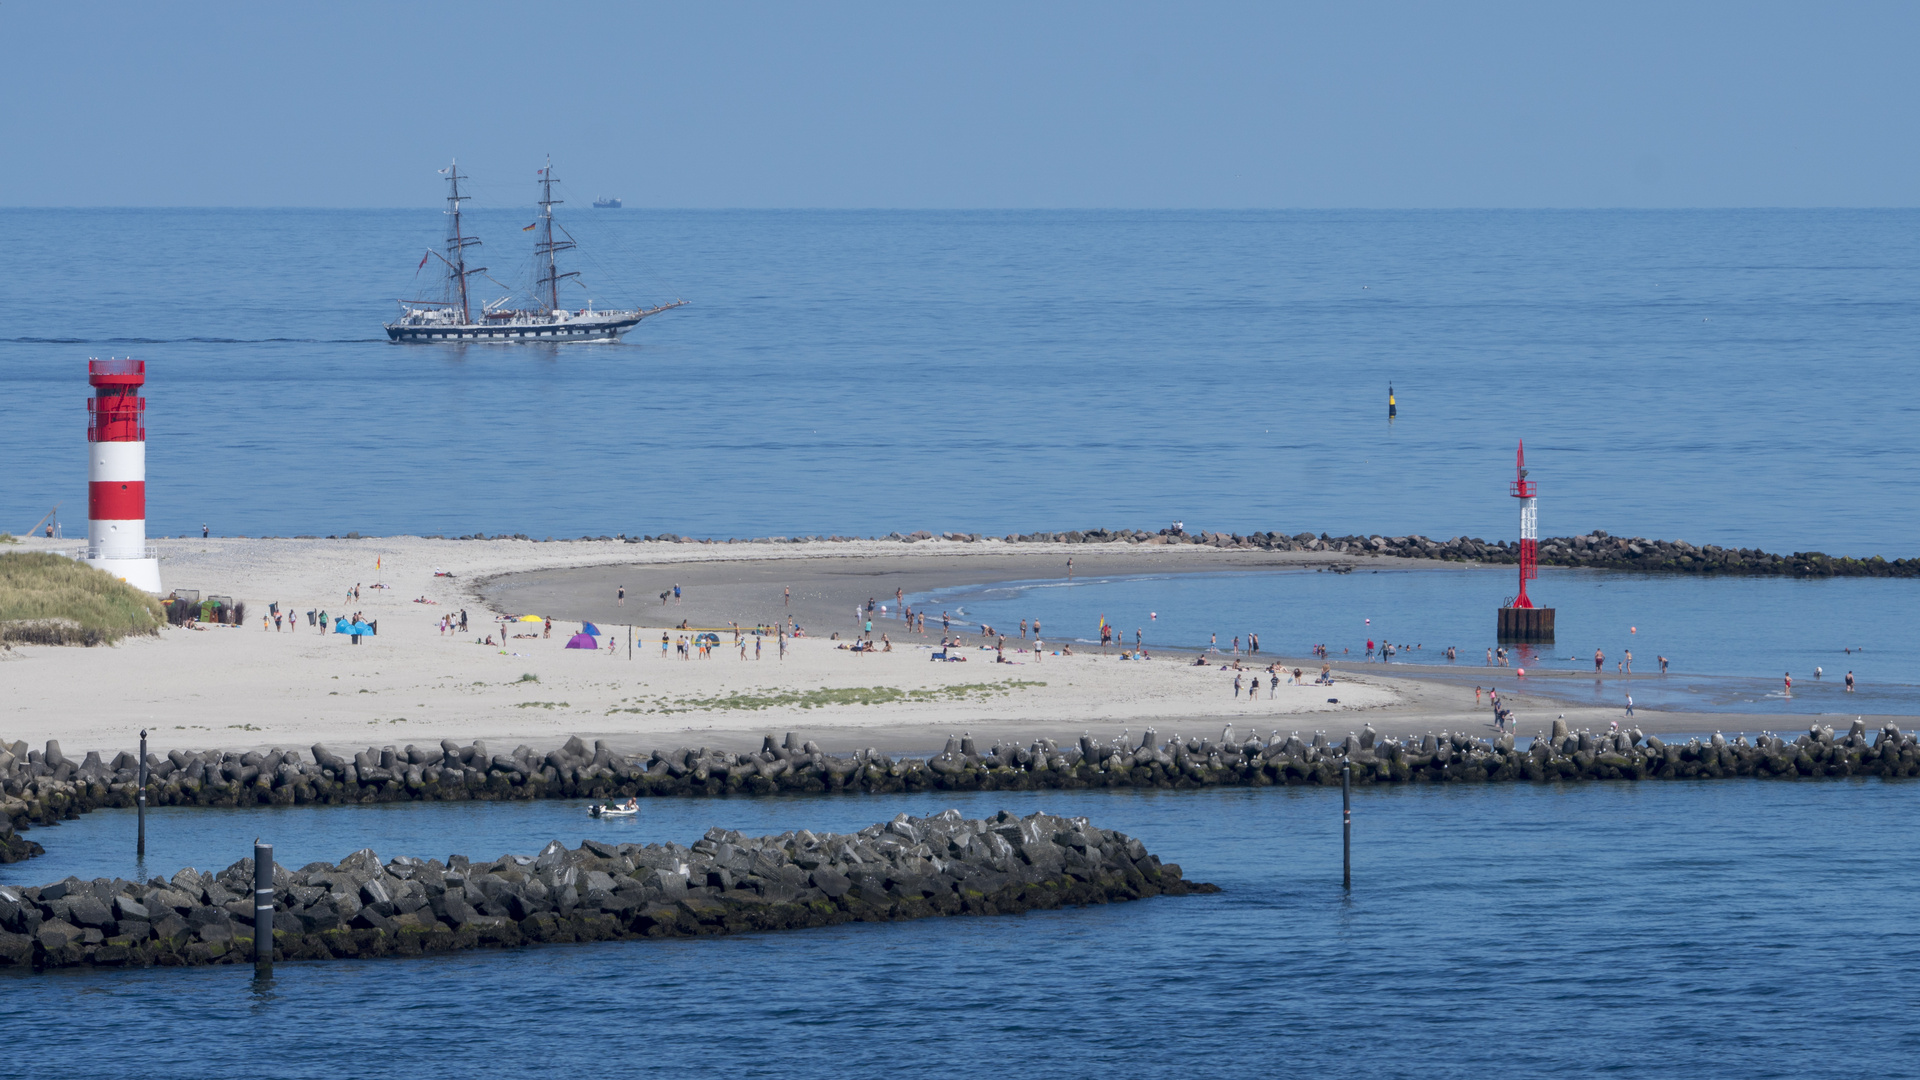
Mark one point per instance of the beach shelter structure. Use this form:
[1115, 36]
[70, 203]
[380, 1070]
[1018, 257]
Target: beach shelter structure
[531, 618]
[589, 628]
[582, 641]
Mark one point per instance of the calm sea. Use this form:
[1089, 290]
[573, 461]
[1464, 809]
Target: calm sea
[1720, 928]
[1735, 377]
[1730, 641]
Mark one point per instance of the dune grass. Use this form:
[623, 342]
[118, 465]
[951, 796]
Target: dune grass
[48, 599]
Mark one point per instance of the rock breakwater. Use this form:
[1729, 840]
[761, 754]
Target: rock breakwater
[48, 786]
[1596, 550]
[908, 868]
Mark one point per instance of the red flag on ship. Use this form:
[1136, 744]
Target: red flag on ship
[423, 259]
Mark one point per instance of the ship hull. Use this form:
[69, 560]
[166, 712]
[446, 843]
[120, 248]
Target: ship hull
[578, 330]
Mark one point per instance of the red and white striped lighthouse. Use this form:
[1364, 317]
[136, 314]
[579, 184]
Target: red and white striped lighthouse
[117, 474]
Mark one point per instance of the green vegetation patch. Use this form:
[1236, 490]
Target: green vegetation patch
[540, 705]
[48, 599]
[822, 698]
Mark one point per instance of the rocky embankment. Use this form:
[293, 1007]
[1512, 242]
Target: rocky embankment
[1596, 549]
[909, 868]
[47, 786]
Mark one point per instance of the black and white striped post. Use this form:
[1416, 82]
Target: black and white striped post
[262, 908]
[140, 800]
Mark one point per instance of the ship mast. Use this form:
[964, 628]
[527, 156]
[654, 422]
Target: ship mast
[546, 246]
[457, 244]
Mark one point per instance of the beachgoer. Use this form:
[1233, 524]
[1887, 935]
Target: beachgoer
[1489, 657]
[1236, 686]
[1663, 664]
[1629, 707]
[1629, 661]
[1789, 678]
[620, 597]
[1476, 695]
[203, 532]
[1598, 659]
[1817, 671]
[1023, 629]
[786, 596]
[676, 593]
[756, 647]
[1849, 682]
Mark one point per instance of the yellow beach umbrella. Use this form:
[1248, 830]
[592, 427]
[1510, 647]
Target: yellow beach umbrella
[530, 618]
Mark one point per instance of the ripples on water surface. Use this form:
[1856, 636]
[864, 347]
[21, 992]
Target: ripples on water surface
[1739, 377]
[1725, 928]
[1742, 633]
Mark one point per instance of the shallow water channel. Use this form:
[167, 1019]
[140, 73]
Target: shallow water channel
[1653, 929]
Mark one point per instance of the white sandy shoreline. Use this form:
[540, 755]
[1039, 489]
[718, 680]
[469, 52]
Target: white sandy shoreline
[228, 687]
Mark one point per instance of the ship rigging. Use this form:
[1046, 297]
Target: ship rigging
[451, 317]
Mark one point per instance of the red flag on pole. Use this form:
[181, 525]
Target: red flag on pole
[423, 259]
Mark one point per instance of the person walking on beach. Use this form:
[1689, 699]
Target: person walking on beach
[1629, 704]
[1629, 661]
[676, 593]
[1036, 631]
[786, 596]
[1599, 658]
[1789, 678]
[1476, 697]
[463, 620]
[1236, 686]
[1069, 568]
[620, 597]
[756, 646]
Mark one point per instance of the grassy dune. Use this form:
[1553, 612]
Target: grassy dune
[48, 599]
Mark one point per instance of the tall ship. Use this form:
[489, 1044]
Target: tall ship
[450, 318]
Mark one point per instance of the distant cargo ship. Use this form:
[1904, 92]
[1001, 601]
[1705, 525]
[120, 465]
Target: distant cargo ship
[450, 318]
[606, 204]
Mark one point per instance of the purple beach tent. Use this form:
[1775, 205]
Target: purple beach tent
[582, 640]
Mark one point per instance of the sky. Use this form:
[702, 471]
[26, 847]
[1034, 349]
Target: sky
[975, 105]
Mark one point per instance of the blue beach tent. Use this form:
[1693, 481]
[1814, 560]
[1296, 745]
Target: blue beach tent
[589, 628]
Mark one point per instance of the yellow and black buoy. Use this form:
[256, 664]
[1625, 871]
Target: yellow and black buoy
[1393, 409]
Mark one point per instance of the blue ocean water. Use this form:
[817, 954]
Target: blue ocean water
[1736, 377]
[1730, 641]
[1721, 928]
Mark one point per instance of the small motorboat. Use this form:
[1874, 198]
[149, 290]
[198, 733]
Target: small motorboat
[626, 809]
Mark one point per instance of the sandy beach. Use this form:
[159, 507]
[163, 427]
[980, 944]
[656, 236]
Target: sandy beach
[245, 687]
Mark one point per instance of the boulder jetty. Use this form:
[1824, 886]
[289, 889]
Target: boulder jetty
[725, 883]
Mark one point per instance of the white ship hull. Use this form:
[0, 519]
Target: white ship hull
[599, 326]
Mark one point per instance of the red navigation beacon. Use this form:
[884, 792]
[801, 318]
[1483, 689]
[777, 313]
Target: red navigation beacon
[1523, 489]
[1520, 620]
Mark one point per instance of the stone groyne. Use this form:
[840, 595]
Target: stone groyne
[48, 786]
[909, 868]
[1595, 550]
